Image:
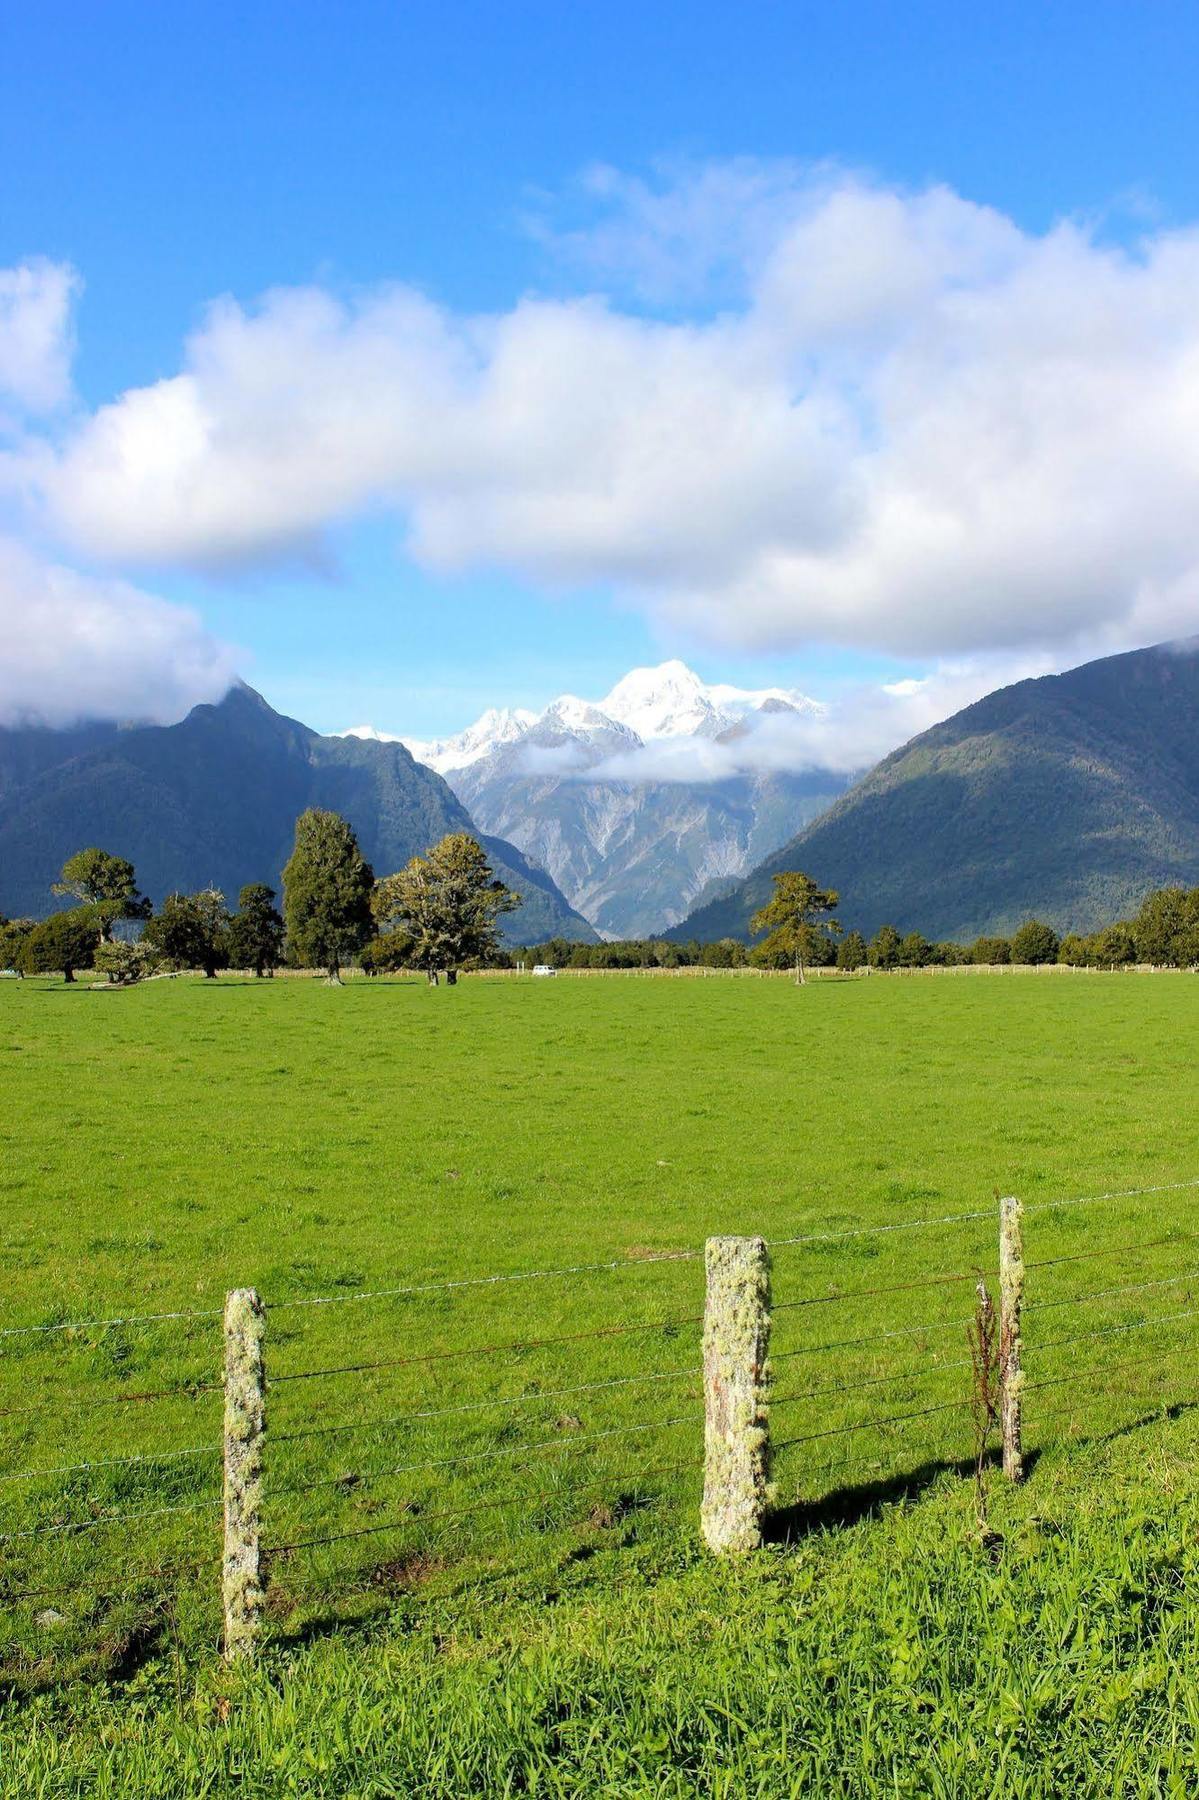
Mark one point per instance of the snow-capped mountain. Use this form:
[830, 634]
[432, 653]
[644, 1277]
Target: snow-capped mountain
[669, 701]
[641, 805]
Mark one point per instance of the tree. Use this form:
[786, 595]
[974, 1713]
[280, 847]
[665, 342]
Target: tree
[449, 903]
[191, 931]
[797, 918]
[915, 951]
[883, 949]
[1035, 942]
[326, 893]
[64, 942]
[124, 963]
[851, 951]
[256, 931]
[1166, 917]
[1112, 947]
[13, 933]
[991, 950]
[105, 882]
[387, 954]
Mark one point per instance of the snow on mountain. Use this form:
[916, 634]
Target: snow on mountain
[671, 701]
[646, 706]
[371, 735]
[644, 802]
[497, 726]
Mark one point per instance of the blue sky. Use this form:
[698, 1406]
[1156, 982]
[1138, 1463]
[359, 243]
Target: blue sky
[173, 155]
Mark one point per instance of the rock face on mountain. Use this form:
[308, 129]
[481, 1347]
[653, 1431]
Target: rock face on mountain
[213, 801]
[1067, 798]
[643, 804]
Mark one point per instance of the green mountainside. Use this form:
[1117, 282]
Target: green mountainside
[1068, 798]
[212, 801]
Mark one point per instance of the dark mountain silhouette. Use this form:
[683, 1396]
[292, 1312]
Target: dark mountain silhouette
[212, 801]
[1067, 798]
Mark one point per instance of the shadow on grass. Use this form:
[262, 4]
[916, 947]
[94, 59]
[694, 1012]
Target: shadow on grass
[856, 1501]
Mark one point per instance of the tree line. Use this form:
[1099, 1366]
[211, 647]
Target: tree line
[801, 931]
[438, 914]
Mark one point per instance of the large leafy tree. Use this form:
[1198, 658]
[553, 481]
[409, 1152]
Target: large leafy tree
[64, 942]
[256, 931]
[13, 933]
[798, 920]
[1035, 942]
[1166, 926]
[191, 931]
[105, 882]
[448, 903]
[882, 952]
[326, 893]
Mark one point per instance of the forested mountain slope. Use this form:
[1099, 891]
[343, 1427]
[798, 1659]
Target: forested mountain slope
[1068, 797]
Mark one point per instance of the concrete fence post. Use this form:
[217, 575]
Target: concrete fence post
[736, 1394]
[245, 1425]
[1011, 1299]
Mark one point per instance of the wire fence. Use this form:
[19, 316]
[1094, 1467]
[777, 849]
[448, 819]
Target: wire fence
[540, 1427]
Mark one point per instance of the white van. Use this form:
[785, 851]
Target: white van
[544, 969]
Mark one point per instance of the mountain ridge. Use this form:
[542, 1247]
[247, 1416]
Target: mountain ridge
[1066, 796]
[212, 800]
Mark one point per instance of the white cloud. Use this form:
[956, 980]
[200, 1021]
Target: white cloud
[79, 648]
[918, 428]
[36, 335]
[848, 733]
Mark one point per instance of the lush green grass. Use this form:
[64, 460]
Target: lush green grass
[540, 1618]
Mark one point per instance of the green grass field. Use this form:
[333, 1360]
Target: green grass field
[514, 1600]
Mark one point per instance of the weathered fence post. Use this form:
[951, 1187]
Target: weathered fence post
[736, 1377]
[245, 1424]
[1011, 1297]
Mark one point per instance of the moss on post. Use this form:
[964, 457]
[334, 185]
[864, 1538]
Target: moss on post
[736, 1377]
[245, 1424]
[1011, 1299]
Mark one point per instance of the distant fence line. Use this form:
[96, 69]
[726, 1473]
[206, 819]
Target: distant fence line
[732, 1363]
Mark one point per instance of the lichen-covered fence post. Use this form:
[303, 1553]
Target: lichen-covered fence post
[736, 1394]
[1011, 1299]
[245, 1424]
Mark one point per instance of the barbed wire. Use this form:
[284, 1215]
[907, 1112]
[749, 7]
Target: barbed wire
[1141, 1245]
[125, 1579]
[830, 1237]
[1087, 1337]
[568, 1337]
[855, 1387]
[110, 1462]
[418, 1515]
[835, 1237]
[626, 1262]
[1132, 1362]
[570, 1442]
[894, 1287]
[77, 1525]
[470, 1281]
[1134, 1287]
[10, 1331]
[443, 1412]
[871, 1338]
[921, 1412]
[185, 1391]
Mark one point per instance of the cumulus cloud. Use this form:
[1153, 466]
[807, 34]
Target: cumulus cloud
[916, 426]
[80, 648]
[36, 334]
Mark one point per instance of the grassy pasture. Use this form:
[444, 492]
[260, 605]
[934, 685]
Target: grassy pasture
[530, 1611]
